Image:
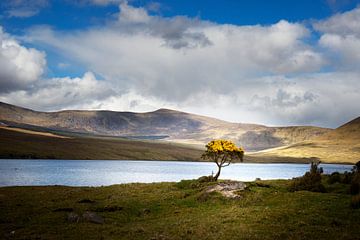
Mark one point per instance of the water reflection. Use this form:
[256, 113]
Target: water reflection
[105, 172]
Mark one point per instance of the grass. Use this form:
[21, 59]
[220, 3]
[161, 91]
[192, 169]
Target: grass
[334, 151]
[16, 144]
[34, 144]
[266, 210]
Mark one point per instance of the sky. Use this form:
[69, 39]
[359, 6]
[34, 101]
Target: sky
[268, 62]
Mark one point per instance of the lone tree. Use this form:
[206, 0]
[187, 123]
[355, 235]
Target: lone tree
[222, 152]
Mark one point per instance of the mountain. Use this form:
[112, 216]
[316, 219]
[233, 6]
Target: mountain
[336, 146]
[30, 144]
[164, 124]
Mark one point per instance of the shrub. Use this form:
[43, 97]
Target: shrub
[311, 181]
[347, 177]
[356, 168]
[196, 183]
[206, 179]
[334, 178]
[355, 184]
[355, 201]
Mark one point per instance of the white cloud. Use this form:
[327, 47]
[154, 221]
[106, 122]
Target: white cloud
[61, 93]
[24, 8]
[261, 74]
[19, 66]
[22, 13]
[321, 99]
[132, 14]
[104, 2]
[174, 58]
[341, 36]
[343, 24]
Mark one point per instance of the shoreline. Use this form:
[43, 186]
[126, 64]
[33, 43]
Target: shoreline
[176, 160]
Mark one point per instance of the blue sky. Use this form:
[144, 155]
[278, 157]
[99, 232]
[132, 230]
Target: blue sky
[270, 62]
[69, 14]
[74, 15]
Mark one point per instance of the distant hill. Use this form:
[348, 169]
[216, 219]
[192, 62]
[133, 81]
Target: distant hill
[29, 144]
[164, 124]
[336, 146]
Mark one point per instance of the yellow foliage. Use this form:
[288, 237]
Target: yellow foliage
[220, 145]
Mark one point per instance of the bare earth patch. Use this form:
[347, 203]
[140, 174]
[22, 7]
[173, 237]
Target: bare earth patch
[32, 132]
[228, 189]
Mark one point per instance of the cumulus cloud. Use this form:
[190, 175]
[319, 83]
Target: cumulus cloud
[174, 58]
[268, 74]
[341, 36]
[61, 93]
[19, 66]
[22, 83]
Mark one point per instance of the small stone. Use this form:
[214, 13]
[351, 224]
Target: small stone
[73, 217]
[146, 211]
[93, 217]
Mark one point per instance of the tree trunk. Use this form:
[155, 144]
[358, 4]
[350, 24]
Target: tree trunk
[217, 174]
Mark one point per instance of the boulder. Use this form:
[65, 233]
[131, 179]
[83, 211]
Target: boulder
[73, 217]
[92, 217]
[228, 189]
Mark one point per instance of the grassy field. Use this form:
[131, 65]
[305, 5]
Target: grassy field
[338, 151]
[27, 144]
[33, 144]
[266, 210]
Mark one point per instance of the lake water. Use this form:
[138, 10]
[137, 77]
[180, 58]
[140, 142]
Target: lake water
[108, 172]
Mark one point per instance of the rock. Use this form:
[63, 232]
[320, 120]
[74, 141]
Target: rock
[92, 217]
[73, 217]
[146, 211]
[86, 200]
[227, 189]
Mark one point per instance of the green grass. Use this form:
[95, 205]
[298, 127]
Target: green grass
[23, 145]
[179, 211]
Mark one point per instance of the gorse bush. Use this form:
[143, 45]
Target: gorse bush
[311, 181]
[223, 153]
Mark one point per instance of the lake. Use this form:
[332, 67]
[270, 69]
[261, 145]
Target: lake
[108, 172]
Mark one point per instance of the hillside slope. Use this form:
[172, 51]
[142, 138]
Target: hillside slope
[337, 146]
[164, 123]
[15, 143]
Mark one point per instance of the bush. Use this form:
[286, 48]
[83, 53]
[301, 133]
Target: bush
[356, 168]
[334, 178]
[196, 183]
[355, 184]
[311, 181]
[347, 177]
[355, 201]
[206, 179]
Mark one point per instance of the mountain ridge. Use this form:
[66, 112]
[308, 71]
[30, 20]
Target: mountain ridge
[179, 126]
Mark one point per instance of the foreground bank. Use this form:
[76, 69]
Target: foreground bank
[184, 210]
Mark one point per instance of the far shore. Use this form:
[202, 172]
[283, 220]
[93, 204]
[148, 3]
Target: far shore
[258, 161]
